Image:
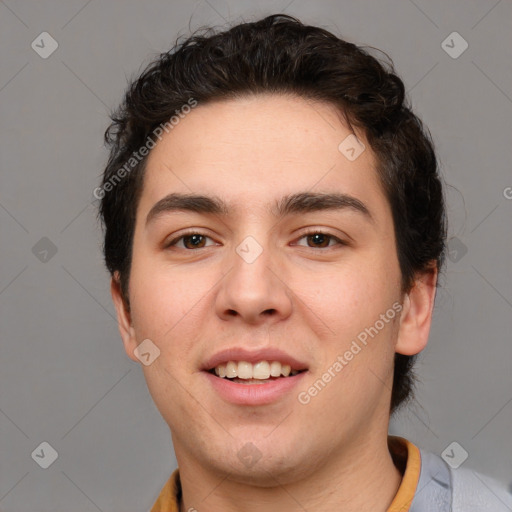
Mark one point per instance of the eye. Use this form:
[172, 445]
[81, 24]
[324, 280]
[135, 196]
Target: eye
[190, 240]
[196, 240]
[320, 239]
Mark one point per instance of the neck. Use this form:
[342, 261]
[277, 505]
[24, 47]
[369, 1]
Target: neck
[363, 478]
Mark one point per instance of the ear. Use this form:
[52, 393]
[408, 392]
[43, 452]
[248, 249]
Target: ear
[124, 320]
[416, 316]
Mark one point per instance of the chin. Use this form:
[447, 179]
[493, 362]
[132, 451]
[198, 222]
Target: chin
[262, 464]
[267, 472]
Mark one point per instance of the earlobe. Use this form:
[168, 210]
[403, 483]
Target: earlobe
[124, 320]
[416, 316]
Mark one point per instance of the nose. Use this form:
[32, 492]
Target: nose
[254, 290]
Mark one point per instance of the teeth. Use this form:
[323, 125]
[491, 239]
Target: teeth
[260, 371]
[244, 370]
[275, 369]
[231, 369]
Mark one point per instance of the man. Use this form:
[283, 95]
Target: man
[275, 228]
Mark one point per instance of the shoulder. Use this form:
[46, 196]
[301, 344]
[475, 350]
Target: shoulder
[459, 490]
[474, 491]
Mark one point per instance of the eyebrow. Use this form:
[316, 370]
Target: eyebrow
[299, 203]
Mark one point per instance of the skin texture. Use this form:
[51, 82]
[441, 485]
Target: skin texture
[310, 299]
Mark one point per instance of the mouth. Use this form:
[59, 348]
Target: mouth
[262, 372]
[260, 377]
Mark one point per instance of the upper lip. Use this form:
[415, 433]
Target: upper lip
[265, 354]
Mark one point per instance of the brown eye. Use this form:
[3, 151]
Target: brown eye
[193, 241]
[190, 241]
[321, 240]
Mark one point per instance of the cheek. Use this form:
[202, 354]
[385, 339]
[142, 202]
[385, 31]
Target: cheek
[358, 346]
[352, 295]
[162, 297]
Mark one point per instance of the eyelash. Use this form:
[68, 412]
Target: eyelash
[325, 233]
[304, 235]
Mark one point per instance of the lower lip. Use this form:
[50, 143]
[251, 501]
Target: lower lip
[253, 394]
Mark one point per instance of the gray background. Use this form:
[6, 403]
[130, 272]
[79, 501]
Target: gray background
[64, 376]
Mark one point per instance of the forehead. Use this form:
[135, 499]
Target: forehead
[254, 150]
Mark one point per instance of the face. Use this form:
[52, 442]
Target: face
[311, 282]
